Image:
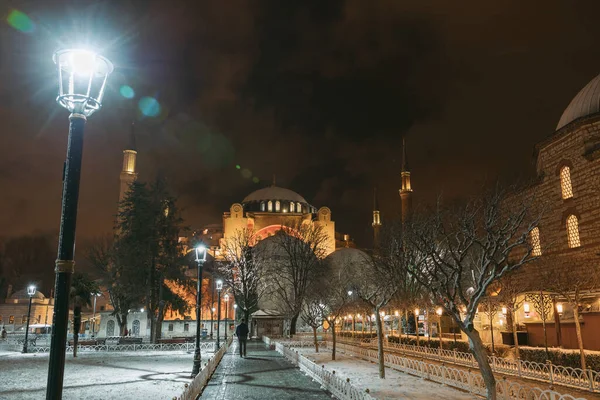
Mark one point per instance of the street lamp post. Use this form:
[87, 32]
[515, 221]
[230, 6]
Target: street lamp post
[226, 297]
[234, 313]
[200, 258]
[439, 312]
[31, 292]
[94, 314]
[82, 78]
[417, 324]
[219, 288]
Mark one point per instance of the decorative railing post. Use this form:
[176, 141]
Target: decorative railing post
[519, 367]
[550, 372]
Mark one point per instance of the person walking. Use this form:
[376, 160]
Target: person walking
[4, 334]
[242, 333]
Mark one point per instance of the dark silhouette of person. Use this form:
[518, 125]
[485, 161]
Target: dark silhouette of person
[242, 333]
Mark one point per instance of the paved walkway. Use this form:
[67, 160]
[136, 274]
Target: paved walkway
[263, 374]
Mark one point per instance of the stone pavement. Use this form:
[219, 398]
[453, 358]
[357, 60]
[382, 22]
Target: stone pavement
[263, 374]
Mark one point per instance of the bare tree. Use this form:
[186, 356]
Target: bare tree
[542, 303]
[510, 289]
[295, 255]
[378, 279]
[242, 269]
[464, 251]
[572, 286]
[490, 306]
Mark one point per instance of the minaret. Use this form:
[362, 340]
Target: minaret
[406, 190]
[128, 174]
[376, 220]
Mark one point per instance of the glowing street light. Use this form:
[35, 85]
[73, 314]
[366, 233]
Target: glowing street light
[82, 77]
[219, 288]
[226, 298]
[30, 292]
[200, 259]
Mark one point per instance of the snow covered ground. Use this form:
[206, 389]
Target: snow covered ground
[101, 375]
[396, 385]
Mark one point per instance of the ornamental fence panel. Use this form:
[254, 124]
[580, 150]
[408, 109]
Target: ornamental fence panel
[193, 390]
[340, 388]
[206, 347]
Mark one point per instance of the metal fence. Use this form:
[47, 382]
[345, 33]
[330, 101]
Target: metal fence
[544, 372]
[466, 380]
[340, 388]
[189, 347]
[194, 389]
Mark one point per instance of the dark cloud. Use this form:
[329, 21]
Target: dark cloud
[319, 93]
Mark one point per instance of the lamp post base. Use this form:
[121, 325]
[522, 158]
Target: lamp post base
[197, 362]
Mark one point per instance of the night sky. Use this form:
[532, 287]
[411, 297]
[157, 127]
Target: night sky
[319, 93]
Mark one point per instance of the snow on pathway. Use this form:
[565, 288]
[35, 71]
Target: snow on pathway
[101, 375]
[396, 385]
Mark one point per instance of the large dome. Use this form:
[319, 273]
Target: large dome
[274, 193]
[587, 102]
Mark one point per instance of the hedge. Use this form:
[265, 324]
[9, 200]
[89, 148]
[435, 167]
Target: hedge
[557, 357]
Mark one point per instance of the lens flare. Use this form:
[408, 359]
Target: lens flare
[246, 173]
[127, 92]
[255, 179]
[20, 21]
[238, 166]
[149, 106]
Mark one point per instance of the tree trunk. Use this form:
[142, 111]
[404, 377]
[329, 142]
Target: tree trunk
[333, 339]
[579, 338]
[76, 327]
[405, 327]
[481, 356]
[380, 344]
[293, 324]
[315, 338]
[123, 325]
[514, 329]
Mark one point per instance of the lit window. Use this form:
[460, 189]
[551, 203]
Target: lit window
[270, 206]
[262, 206]
[565, 182]
[291, 206]
[277, 206]
[24, 319]
[299, 207]
[11, 319]
[536, 247]
[573, 231]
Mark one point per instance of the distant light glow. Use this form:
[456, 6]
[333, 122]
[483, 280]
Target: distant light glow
[255, 179]
[127, 92]
[246, 173]
[238, 166]
[149, 106]
[20, 21]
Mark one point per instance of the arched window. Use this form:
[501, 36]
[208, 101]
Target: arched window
[270, 205]
[277, 206]
[136, 328]
[536, 246]
[292, 206]
[170, 328]
[262, 206]
[299, 207]
[110, 328]
[565, 182]
[573, 231]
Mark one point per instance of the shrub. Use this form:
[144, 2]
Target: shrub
[558, 357]
[433, 343]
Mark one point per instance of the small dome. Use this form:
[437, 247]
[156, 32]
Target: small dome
[587, 102]
[22, 295]
[274, 193]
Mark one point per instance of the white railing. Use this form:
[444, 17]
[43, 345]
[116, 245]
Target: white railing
[340, 388]
[548, 373]
[466, 380]
[208, 347]
[194, 389]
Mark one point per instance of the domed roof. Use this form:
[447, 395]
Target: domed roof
[587, 102]
[345, 255]
[274, 193]
[22, 295]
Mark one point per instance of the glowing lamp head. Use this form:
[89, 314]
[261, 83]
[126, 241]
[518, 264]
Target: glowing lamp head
[559, 308]
[141, 309]
[82, 76]
[31, 289]
[439, 311]
[226, 298]
[213, 309]
[526, 307]
[349, 292]
[504, 311]
[235, 306]
[219, 285]
[416, 311]
[201, 253]
[397, 313]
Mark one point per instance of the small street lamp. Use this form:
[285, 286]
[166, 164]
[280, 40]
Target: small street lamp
[417, 324]
[200, 259]
[95, 295]
[226, 315]
[439, 313]
[82, 76]
[30, 292]
[219, 288]
[234, 312]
